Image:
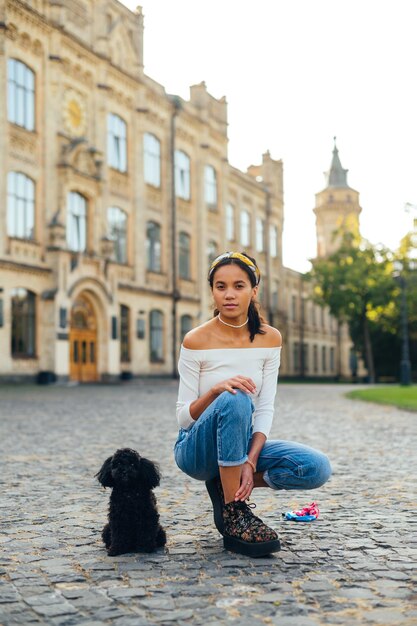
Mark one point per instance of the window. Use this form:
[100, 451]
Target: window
[275, 297]
[294, 308]
[157, 330]
[182, 175]
[230, 222]
[315, 359]
[296, 357]
[153, 247]
[332, 359]
[116, 143]
[20, 206]
[212, 252]
[273, 241]
[21, 94]
[306, 357]
[210, 186]
[23, 323]
[117, 226]
[124, 334]
[184, 256]
[186, 325]
[245, 228]
[313, 314]
[76, 222]
[323, 359]
[259, 235]
[152, 160]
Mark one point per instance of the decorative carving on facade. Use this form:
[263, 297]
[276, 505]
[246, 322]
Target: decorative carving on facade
[24, 40]
[56, 233]
[84, 160]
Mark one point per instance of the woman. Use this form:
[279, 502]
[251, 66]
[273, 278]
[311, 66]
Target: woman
[228, 378]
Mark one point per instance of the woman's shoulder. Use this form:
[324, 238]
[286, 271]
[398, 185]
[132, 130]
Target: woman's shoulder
[198, 338]
[271, 338]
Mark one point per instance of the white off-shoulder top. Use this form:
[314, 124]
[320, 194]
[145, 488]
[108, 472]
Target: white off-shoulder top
[201, 369]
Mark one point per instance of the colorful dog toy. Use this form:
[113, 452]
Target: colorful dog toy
[307, 514]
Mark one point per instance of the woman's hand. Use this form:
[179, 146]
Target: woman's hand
[243, 383]
[246, 483]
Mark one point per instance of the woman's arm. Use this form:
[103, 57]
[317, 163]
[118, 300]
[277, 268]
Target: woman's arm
[231, 384]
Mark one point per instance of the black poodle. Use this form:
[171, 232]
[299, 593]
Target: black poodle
[133, 516]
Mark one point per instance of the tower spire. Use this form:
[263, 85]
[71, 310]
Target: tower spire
[336, 176]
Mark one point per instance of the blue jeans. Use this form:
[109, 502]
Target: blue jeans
[222, 436]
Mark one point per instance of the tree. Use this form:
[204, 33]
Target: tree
[356, 283]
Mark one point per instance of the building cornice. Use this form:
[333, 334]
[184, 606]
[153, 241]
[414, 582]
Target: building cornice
[24, 267]
[155, 292]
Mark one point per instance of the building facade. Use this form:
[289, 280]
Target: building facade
[115, 196]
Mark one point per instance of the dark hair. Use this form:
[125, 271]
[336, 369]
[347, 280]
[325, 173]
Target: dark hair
[254, 318]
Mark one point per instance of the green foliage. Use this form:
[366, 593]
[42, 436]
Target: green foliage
[356, 281]
[402, 397]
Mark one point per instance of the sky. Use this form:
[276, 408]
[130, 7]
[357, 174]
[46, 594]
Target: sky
[295, 74]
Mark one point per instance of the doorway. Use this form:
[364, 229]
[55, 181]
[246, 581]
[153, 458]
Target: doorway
[83, 341]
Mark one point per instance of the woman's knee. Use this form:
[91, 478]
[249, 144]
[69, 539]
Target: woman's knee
[307, 473]
[321, 471]
[238, 406]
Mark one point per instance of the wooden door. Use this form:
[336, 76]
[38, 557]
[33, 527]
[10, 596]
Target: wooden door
[83, 342]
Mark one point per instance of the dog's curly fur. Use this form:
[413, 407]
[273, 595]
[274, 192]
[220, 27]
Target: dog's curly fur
[133, 516]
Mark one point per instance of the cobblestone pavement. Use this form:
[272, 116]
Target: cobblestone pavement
[355, 565]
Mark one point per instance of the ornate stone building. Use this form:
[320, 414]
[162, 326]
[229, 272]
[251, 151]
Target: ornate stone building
[114, 196]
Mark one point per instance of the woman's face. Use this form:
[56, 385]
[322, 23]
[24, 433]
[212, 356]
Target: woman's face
[232, 291]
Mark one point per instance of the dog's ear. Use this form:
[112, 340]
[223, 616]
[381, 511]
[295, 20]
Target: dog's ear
[149, 473]
[104, 476]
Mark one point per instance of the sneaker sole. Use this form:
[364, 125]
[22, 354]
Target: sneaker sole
[217, 505]
[251, 549]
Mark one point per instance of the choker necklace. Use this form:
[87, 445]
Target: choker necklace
[232, 325]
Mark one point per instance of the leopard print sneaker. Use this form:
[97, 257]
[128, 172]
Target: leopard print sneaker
[245, 533]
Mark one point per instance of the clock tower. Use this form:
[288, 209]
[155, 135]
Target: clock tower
[337, 207]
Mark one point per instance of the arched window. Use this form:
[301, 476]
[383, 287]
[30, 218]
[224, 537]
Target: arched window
[210, 186]
[153, 247]
[23, 323]
[186, 325]
[245, 228]
[76, 222]
[184, 255]
[124, 333]
[230, 222]
[20, 94]
[212, 252]
[182, 175]
[259, 235]
[152, 159]
[116, 143]
[157, 336]
[20, 205]
[117, 229]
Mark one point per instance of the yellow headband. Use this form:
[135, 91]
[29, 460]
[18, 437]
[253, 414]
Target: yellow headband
[241, 257]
